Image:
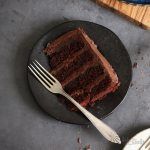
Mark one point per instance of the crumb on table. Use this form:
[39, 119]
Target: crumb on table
[135, 65]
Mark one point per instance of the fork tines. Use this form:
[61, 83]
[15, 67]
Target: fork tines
[42, 74]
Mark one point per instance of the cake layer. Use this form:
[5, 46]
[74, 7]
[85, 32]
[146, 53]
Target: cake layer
[65, 52]
[67, 62]
[100, 87]
[81, 96]
[88, 91]
[75, 64]
[82, 70]
[83, 99]
[84, 79]
[89, 96]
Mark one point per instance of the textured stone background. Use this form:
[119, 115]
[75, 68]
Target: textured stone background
[23, 126]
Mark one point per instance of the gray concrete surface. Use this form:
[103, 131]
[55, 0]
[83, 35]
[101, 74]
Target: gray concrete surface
[23, 126]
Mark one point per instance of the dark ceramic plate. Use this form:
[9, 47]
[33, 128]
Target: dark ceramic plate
[110, 46]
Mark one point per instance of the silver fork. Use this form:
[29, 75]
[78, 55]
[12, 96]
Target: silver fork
[54, 86]
[146, 145]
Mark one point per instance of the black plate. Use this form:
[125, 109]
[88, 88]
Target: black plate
[110, 46]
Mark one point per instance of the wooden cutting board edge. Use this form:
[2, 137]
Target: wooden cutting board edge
[143, 21]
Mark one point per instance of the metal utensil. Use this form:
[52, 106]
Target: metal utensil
[54, 86]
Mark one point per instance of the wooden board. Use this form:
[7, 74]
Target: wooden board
[139, 14]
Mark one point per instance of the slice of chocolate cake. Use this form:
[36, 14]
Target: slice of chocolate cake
[82, 70]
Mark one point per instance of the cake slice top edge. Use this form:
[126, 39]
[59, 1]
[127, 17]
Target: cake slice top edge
[62, 39]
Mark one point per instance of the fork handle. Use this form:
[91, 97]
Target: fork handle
[104, 129]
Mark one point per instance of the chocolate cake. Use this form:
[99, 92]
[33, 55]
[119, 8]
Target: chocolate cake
[82, 70]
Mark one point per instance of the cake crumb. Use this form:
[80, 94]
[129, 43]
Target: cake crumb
[79, 140]
[135, 65]
[131, 84]
[88, 147]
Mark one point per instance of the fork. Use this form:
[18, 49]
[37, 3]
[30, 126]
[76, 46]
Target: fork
[54, 86]
[146, 145]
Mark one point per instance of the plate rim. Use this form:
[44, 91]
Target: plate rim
[52, 28]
